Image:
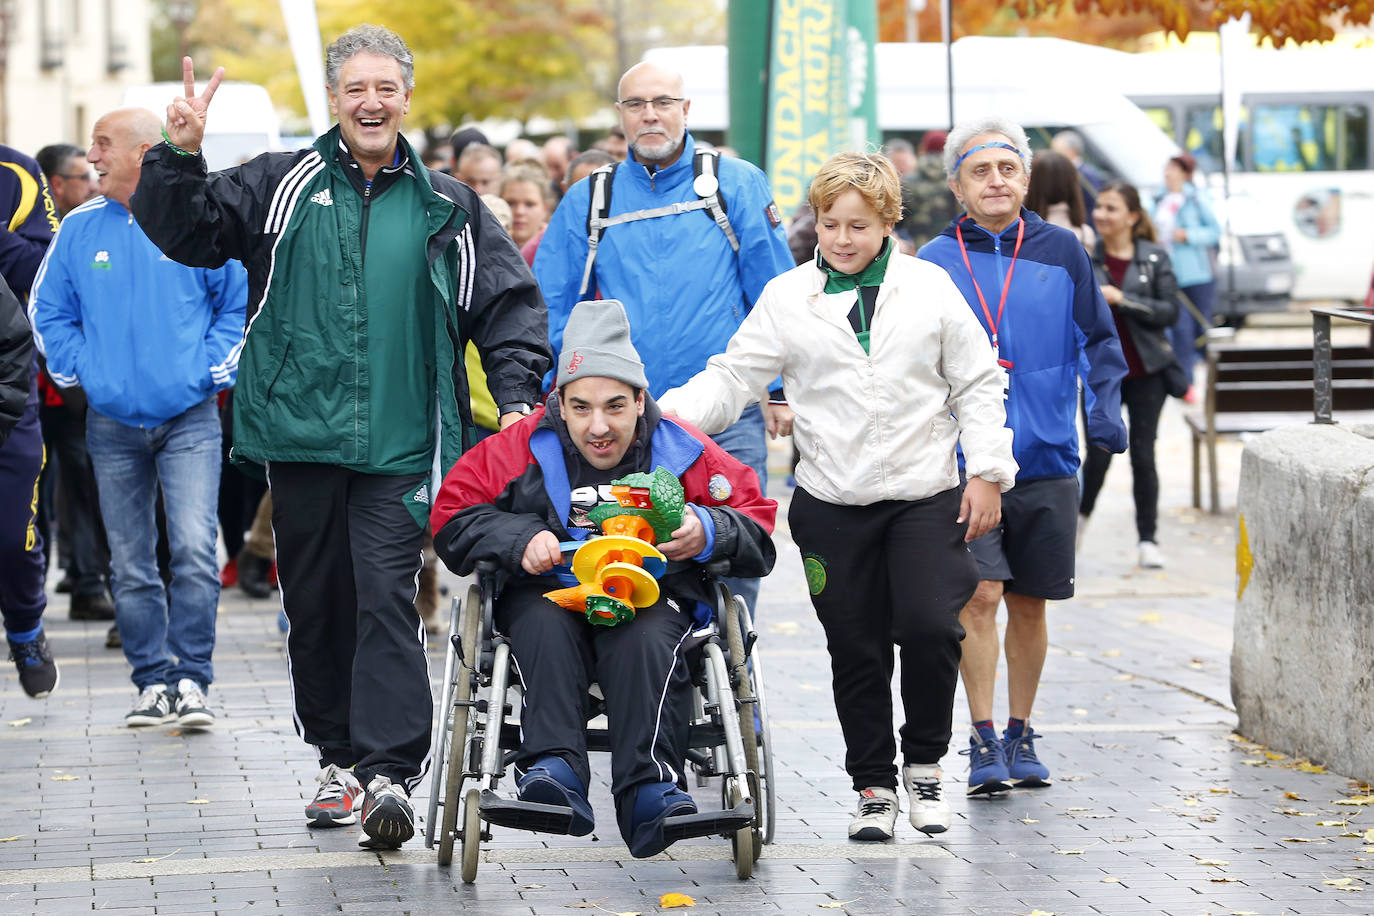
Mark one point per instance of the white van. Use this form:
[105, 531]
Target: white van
[242, 121]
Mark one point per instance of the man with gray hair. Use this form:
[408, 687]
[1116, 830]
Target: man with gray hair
[1032, 287]
[369, 274]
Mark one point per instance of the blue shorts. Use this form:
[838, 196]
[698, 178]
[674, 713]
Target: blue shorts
[1032, 551]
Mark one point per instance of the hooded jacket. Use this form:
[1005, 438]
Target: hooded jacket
[297, 223]
[16, 362]
[515, 484]
[1054, 312]
[684, 289]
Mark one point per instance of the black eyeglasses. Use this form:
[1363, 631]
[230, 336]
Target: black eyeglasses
[662, 104]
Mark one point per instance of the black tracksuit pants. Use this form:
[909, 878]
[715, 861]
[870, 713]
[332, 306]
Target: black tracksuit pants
[639, 665]
[348, 561]
[892, 573]
[22, 599]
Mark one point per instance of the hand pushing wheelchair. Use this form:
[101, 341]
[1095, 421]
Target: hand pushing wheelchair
[477, 733]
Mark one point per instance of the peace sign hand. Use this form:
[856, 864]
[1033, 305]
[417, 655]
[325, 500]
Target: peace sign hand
[186, 115]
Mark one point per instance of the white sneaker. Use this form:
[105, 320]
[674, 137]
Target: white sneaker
[153, 707]
[929, 810]
[1150, 557]
[876, 818]
[191, 709]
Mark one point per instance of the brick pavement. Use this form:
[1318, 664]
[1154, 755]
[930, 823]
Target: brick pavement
[1157, 807]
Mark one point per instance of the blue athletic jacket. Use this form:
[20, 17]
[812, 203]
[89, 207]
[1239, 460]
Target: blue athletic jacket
[685, 291]
[146, 337]
[1054, 312]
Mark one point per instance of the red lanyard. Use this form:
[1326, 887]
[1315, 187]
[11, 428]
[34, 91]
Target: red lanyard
[1006, 284]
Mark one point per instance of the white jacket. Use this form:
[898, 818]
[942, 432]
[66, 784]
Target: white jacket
[868, 427]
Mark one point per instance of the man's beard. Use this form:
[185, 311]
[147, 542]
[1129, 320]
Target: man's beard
[657, 154]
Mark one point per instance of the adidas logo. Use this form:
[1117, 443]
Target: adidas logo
[422, 494]
[323, 198]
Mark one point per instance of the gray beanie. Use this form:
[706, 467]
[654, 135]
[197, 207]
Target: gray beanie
[596, 343]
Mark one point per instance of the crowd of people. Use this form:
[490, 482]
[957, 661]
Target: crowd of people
[352, 361]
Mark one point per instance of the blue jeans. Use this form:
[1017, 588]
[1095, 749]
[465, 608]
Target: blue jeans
[1187, 330]
[168, 632]
[747, 441]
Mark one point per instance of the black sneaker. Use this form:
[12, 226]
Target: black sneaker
[388, 819]
[191, 709]
[153, 707]
[253, 571]
[112, 638]
[38, 672]
[91, 607]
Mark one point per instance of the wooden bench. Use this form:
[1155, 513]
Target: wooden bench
[1255, 389]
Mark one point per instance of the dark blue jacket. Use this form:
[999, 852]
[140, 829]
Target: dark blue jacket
[1054, 313]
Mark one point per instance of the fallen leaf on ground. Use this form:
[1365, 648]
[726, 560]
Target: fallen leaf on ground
[1254, 763]
[1216, 863]
[785, 627]
[838, 904]
[1369, 836]
[1303, 839]
[807, 687]
[1123, 677]
[20, 723]
[1029, 820]
[586, 905]
[197, 801]
[172, 733]
[1294, 795]
[1221, 879]
[671, 900]
[1355, 800]
[1080, 712]
[1039, 913]
[1307, 766]
[65, 777]
[1368, 849]
[1275, 755]
[1339, 882]
[1111, 879]
[11, 839]
[531, 887]
[1219, 790]
[1112, 653]
[1333, 823]
[157, 858]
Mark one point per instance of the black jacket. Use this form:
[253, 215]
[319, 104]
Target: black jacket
[16, 361]
[1149, 300]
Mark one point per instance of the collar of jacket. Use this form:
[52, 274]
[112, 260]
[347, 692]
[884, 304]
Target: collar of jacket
[670, 446]
[438, 207]
[974, 232]
[670, 173]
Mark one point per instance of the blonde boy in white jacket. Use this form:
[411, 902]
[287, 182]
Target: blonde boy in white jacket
[887, 371]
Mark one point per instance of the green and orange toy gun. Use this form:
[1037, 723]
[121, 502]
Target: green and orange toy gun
[619, 571]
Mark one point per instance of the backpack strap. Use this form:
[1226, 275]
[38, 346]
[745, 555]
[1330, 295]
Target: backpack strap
[706, 182]
[598, 209]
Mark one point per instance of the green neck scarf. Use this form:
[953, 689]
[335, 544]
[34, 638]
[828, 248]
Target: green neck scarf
[872, 275]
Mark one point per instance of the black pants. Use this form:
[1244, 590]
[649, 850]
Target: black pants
[348, 560]
[80, 531]
[239, 494]
[1143, 397]
[642, 673]
[22, 599]
[890, 573]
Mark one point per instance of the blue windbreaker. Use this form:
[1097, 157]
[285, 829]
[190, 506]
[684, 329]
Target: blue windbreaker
[685, 291]
[1054, 311]
[146, 337]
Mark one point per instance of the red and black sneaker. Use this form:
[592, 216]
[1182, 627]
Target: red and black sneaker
[388, 819]
[334, 805]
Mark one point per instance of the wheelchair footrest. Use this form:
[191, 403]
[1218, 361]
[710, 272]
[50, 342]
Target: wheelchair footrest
[708, 823]
[523, 815]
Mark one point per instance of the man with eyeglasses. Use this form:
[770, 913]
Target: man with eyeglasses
[686, 283]
[69, 177]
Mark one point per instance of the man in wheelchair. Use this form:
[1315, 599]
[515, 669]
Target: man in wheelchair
[520, 497]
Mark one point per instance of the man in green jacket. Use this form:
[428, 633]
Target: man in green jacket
[368, 274]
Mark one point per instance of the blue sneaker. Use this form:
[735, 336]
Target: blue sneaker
[655, 802]
[1023, 766]
[987, 764]
[552, 782]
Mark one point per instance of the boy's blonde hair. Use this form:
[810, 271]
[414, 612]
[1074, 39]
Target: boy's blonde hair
[871, 174]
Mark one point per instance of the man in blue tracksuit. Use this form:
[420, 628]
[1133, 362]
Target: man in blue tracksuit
[28, 220]
[684, 284]
[1032, 287]
[151, 342]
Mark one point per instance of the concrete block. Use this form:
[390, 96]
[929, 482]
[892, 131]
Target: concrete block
[1302, 667]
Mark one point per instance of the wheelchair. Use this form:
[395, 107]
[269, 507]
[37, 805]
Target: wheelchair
[477, 734]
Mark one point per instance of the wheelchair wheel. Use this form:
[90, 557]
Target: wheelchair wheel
[462, 715]
[743, 842]
[472, 833]
[767, 794]
[736, 619]
[442, 725]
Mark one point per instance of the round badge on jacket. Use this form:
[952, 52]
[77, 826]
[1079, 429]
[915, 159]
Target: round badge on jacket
[719, 487]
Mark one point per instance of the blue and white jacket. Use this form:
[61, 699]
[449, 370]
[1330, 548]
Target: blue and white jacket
[685, 291]
[146, 337]
[1054, 313]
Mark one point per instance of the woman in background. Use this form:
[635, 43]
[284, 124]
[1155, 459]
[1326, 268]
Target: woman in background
[1055, 195]
[1188, 230]
[1139, 286]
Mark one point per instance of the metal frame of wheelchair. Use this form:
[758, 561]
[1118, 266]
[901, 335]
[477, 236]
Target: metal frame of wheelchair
[729, 736]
